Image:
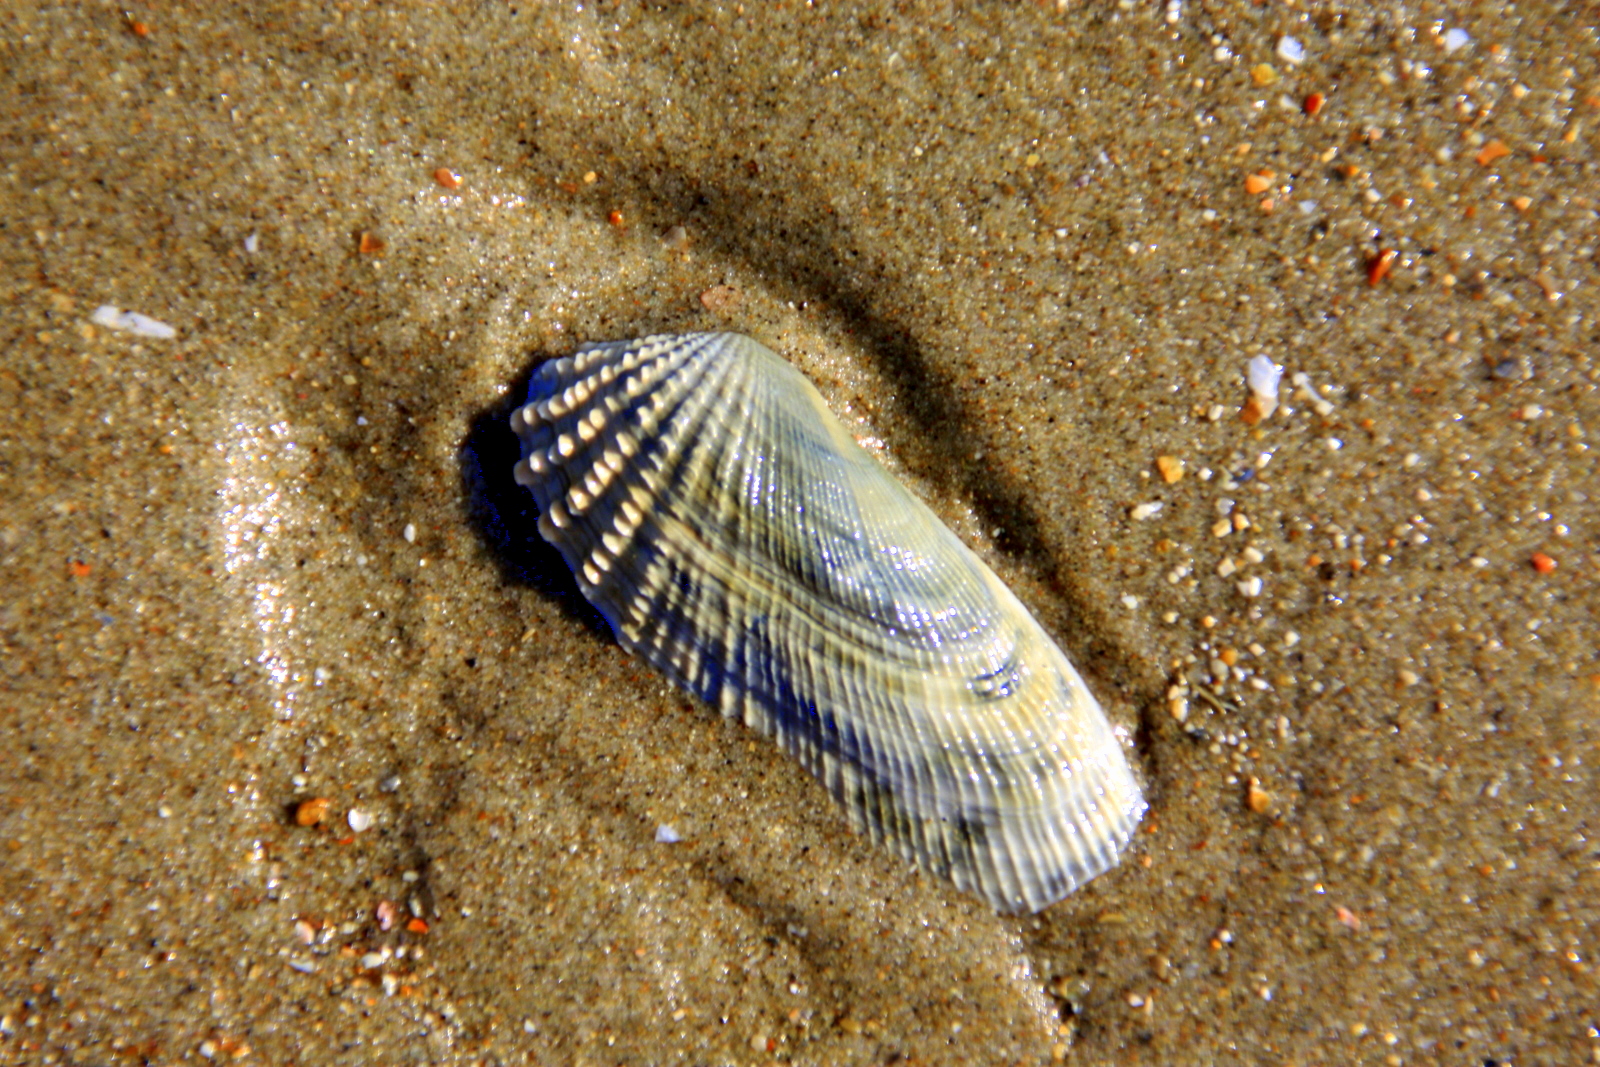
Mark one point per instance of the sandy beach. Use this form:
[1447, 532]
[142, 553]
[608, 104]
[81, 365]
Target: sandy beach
[315, 754]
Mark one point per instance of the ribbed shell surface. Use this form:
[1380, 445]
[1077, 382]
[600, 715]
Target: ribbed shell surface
[735, 536]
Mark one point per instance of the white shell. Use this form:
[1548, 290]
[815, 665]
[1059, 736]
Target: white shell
[736, 537]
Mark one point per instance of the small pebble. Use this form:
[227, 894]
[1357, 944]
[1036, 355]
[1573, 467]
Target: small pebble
[1258, 799]
[360, 821]
[1492, 151]
[1542, 563]
[1171, 468]
[666, 835]
[720, 298]
[1291, 50]
[1455, 39]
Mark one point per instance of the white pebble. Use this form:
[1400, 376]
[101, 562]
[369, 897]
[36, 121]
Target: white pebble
[666, 835]
[1130, 601]
[360, 821]
[410, 532]
[1250, 587]
[1455, 39]
[1141, 512]
[110, 316]
[252, 244]
[1291, 50]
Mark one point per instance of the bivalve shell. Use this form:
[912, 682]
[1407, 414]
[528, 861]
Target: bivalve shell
[736, 537]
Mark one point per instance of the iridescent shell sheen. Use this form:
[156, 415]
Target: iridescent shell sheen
[736, 537]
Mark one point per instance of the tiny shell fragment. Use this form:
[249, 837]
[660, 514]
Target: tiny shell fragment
[311, 812]
[447, 178]
[1262, 375]
[1378, 266]
[1257, 798]
[131, 322]
[370, 244]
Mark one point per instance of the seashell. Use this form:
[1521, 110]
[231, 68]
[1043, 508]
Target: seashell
[736, 537]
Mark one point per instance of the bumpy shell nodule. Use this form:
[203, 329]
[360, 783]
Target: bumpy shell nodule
[736, 537]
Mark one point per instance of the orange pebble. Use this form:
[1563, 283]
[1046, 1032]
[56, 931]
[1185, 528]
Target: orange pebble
[1542, 563]
[1313, 103]
[447, 178]
[311, 812]
[1258, 183]
[1492, 151]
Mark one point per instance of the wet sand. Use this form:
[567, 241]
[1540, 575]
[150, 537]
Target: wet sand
[1027, 251]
